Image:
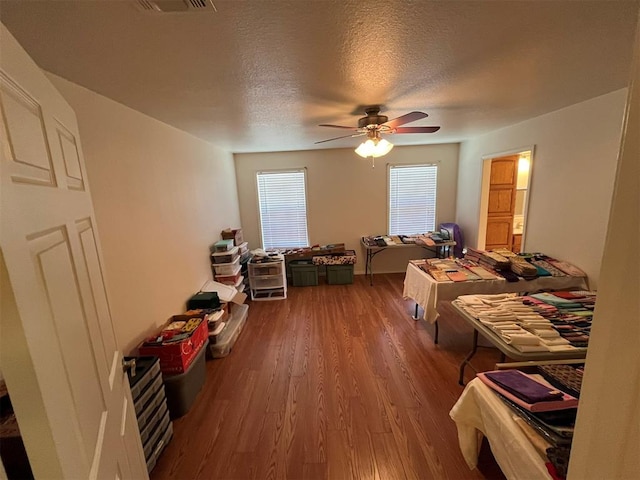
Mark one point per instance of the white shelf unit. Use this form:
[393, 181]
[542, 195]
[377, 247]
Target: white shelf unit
[268, 279]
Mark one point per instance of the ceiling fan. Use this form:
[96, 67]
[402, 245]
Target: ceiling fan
[375, 124]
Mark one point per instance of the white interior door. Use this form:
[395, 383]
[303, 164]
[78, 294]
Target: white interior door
[59, 354]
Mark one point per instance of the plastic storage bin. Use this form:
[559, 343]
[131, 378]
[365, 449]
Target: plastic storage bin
[226, 268]
[225, 257]
[230, 334]
[231, 278]
[244, 247]
[223, 245]
[181, 390]
[303, 274]
[339, 274]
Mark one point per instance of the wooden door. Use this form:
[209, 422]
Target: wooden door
[59, 354]
[502, 200]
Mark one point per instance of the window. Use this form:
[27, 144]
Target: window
[283, 209]
[412, 199]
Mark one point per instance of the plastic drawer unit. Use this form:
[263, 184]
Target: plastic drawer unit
[267, 278]
[182, 389]
[150, 406]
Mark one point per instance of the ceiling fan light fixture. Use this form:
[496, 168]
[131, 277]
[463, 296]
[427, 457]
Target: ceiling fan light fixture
[374, 148]
[383, 147]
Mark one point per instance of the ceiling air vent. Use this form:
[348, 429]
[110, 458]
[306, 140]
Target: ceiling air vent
[175, 6]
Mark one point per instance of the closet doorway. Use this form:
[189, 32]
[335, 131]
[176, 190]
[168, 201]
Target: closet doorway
[503, 206]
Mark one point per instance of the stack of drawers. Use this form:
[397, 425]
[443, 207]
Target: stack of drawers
[151, 409]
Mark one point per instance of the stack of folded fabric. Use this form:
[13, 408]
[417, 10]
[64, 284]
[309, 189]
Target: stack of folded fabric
[496, 261]
[449, 270]
[575, 313]
[544, 413]
[473, 254]
[545, 269]
[492, 260]
[505, 315]
[536, 323]
[566, 267]
[522, 268]
[528, 391]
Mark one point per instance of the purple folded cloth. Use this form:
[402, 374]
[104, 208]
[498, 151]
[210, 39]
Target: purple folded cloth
[524, 387]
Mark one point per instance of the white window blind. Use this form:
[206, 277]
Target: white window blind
[283, 209]
[412, 199]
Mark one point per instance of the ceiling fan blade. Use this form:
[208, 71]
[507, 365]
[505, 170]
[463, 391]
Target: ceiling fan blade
[338, 126]
[409, 117]
[344, 136]
[415, 130]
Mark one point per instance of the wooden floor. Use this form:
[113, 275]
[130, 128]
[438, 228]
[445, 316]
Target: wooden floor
[335, 382]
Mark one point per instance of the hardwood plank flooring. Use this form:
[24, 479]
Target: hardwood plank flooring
[335, 382]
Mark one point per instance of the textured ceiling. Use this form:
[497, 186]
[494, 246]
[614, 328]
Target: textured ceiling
[260, 75]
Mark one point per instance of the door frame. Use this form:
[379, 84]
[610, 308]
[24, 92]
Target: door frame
[484, 190]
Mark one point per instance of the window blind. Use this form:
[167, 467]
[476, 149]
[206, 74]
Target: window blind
[412, 199]
[283, 209]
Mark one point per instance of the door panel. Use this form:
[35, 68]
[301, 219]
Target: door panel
[71, 157]
[504, 170]
[95, 295]
[501, 202]
[58, 278]
[26, 138]
[499, 233]
[59, 352]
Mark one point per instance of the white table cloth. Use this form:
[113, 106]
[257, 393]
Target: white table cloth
[426, 292]
[480, 412]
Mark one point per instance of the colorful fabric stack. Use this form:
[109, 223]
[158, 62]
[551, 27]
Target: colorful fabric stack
[454, 270]
[574, 313]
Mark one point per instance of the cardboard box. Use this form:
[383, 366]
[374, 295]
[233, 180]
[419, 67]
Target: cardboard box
[234, 234]
[227, 293]
[175, 357]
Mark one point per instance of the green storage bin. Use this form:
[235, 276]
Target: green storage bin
[303, 275]
[339, 274]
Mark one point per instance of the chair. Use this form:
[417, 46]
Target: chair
[455, 234]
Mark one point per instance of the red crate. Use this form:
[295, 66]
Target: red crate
[176, 357]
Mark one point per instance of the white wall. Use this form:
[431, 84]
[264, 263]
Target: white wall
[607, 433]
[346, 197]
[161, 197]
[573, 169]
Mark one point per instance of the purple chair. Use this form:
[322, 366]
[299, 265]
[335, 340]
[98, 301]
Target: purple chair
[455, 234]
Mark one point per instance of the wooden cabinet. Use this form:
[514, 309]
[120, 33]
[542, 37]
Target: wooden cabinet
[517, 243]
[267, 279]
